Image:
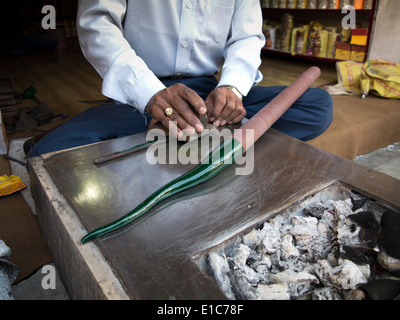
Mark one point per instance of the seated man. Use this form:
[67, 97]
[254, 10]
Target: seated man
[158, 60]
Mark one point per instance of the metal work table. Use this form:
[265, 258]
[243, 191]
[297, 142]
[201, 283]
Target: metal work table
[153, 257]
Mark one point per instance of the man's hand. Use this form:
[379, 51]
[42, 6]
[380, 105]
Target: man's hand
[224, 107]
[181, 99]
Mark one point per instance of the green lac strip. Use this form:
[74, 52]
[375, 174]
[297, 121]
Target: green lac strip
[219, 159]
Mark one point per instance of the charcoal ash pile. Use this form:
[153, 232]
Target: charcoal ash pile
[320, 249]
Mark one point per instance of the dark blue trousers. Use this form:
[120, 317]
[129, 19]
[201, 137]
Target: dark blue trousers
[306, 119]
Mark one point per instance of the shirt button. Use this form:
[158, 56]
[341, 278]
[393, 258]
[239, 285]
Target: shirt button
[189, 5]
[185, 44]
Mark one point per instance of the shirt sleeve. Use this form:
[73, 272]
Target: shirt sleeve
[126, 77]
[243, 49]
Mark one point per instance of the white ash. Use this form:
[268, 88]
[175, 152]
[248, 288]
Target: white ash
[278, 291]
[301, 253]
[347, 275]
[220, 266]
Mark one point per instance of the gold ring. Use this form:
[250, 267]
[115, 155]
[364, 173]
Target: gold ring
[169, 111]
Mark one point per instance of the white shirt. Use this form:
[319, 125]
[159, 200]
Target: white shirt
[132, 42]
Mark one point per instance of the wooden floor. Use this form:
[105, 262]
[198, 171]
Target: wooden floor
[64, 77]
[284, 70]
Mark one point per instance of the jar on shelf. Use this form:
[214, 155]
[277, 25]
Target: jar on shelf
[291, 4]
[323, 4]
[312, 4]
[282, 4]
[301, 4]
[274, 4]
[266, 3]
[347, 3]
[368, 4]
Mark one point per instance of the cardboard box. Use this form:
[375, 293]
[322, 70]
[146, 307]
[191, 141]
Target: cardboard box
[359, 36]
[343, 51]
[358, 53]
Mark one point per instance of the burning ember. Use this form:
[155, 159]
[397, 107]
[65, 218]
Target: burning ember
[334, 245]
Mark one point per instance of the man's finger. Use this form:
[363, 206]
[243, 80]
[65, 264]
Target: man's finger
[215, 103]
[227, 113]
[172, 127]
[185, 116]
[181, 99]
[182, 123]
[193, 99]
[237, 115]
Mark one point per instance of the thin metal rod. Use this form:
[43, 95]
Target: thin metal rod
[119, 154]
[14, 159]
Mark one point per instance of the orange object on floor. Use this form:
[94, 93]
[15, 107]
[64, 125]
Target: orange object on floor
[10, 184]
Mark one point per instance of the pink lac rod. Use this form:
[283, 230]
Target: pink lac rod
[272, 111]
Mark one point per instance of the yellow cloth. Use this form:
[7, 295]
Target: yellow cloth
[381, 78]
[378, 77]
[349, 75]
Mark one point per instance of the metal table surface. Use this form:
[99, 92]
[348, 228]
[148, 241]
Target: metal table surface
[153, 257]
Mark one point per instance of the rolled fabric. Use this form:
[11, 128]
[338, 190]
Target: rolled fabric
[222, 156]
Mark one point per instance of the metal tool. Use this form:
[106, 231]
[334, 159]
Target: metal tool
[119, 154]
[14, 160]
[146, 145]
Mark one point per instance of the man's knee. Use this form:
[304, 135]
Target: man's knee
[322, 106]
[325, 103]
